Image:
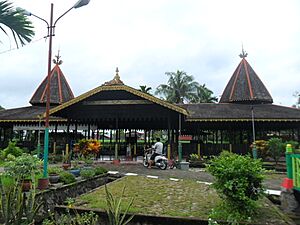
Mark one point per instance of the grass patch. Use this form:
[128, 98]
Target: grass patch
[185, 198]
[158, 197]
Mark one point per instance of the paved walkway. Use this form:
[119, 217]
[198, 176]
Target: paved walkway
[272, 183]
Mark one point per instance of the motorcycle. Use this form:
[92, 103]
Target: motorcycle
[160, 161]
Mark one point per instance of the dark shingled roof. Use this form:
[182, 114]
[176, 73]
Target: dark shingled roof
[24, 114]
[228, 111]
[245, 87]
[60, 90]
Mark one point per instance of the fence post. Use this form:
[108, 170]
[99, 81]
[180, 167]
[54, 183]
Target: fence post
[288, 182]
[199, 153]
[288, 201]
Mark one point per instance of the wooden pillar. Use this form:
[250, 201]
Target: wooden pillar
[136, 143]
[103, 135]
[110, 140]
[117, 138]
[221, 136]
[178, 141]
[97, 134]
[55, 137]
[199, 149]
[68, 135]
[89, 131]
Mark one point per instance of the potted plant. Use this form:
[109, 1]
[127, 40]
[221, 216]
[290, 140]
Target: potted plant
[24, 166]
[66, 161]
[75, 170]
[54, 174]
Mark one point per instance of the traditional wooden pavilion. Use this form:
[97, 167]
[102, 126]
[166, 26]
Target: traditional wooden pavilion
[245, 111]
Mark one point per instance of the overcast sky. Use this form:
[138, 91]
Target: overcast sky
[145, 39]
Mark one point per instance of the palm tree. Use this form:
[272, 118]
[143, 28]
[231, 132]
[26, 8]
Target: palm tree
[145, 89]
[180, 88]
[204, 95]
[13, 20]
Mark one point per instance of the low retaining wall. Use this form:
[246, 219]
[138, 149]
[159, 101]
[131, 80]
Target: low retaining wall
[138, 219]
[57, 195]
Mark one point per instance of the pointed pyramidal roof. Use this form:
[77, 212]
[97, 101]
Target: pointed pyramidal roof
[245, 86]
[60, 90]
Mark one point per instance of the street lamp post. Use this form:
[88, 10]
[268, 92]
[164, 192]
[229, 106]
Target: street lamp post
[51, 33]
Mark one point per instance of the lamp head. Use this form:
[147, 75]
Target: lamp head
[81, 3]
[23, 11]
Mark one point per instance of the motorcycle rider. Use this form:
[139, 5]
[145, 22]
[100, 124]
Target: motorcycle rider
[158, 148]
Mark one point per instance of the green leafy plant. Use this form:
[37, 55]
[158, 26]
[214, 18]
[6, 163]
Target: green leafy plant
[10, 157]
[12, 149]
[194, 157]
[23, 166]
[100, 170]
[67, 178]
[87, 173]
[276, 148]
[55, 170]
[16, 206]
[239, 184]
[113, 209]
[78, 219]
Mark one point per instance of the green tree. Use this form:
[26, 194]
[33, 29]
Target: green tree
[179, 89]
[145, 89]
[203, 95]
[13, 20]
[276, 148]
[1, 108]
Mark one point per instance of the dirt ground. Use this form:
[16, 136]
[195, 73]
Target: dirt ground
[272, 181]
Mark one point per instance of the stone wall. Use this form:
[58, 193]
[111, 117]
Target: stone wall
[138, 219]
[57, 195]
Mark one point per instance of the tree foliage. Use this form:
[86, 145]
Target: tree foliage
[181, 88]
[203, 95]
[145, 89]
[11, 19]
[276, 148]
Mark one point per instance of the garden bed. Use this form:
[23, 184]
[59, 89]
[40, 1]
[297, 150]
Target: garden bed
[164, 198]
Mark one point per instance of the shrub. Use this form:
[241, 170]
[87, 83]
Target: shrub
[12, 149]
[239, 184]
[87, 173]
[23, 166]
[262, 148]
[67, 219]
[10, 157]
[194, 157]
[276, 148]
[67, 178]
[100, 170]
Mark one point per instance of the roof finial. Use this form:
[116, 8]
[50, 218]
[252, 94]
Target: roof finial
[243, 54]
[57, 61]
[117, 74]
[116, 80]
